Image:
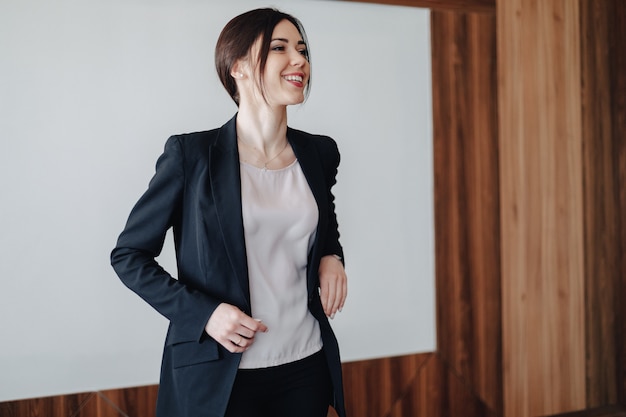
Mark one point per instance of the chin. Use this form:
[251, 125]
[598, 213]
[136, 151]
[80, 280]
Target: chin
[298, 100]
[289, 101]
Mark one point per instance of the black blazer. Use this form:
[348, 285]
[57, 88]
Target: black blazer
[196, 190]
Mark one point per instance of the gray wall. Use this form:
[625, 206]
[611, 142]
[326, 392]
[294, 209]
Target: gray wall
[90, 90]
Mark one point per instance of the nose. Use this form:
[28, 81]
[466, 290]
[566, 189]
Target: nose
[297, 59]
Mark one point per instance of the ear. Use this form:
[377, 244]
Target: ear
[238, 70]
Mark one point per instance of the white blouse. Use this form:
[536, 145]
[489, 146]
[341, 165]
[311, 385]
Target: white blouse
[280, 218]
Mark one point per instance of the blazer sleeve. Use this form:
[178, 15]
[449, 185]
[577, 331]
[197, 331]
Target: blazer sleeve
[330, 160]
[141, 241]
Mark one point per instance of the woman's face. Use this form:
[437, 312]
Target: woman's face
[287, 68]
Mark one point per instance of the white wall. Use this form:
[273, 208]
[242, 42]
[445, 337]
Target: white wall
[89, 92]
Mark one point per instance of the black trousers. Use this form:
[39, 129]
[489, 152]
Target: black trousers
[298, 389]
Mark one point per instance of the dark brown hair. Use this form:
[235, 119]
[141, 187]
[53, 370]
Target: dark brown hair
[238, 37]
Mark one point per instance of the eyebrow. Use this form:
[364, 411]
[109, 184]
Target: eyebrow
[300, 42]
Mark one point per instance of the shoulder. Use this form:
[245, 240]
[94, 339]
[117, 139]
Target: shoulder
[323, 143]
[194, 146]
[196, 143]
[195, 139]
[184, 152]
[323, 146]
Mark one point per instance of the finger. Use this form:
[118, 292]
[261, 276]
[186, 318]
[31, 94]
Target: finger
[341, 292]
[338, 295]
[330, 299]
[324, 295]
[244, 332]
[344, 295]
[240, 340]
[253, 325]
[238, 343]
[260, 326]
[231, 346]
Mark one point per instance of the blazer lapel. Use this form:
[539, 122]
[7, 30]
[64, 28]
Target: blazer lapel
[225, 180]
[226, 188]
[311, 166]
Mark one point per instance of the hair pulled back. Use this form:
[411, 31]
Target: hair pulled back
[239, 35]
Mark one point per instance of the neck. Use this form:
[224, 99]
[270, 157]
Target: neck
[264, 128]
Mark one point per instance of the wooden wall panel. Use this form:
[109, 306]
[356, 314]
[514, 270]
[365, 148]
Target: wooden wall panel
[419, 385]
[562, 116]
[541, 206]
[617, 64]
[129, 402]
[601, 204]
[372, 387]
[463, 6]
[467, 214]
[136, 401]
[607, 411]
[100, 406]
[61, 406]
[438, 391]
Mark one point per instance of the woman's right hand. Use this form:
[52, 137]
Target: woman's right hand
[232, 328]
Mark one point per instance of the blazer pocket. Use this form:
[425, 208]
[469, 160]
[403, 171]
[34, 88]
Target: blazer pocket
[193, 353]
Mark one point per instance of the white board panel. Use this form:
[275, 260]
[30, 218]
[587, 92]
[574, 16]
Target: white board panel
[89, 92]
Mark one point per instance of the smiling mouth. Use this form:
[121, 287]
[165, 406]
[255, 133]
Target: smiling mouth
[294, 78]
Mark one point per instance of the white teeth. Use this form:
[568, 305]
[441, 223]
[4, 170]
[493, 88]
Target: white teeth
[296, 78]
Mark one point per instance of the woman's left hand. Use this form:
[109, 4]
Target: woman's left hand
[333, 285]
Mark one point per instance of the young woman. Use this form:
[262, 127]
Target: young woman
[260, 266]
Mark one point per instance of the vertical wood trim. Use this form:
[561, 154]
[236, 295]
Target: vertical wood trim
[617, 64]
[467, 229]
[541, 206]
[601, 215]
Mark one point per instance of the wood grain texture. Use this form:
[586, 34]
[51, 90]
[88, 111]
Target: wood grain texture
[617, 64]
[608, 411]
[541, 206]
[69, 405]
[372, 387]
[419, 385]
[464, 6]
[438, 391]
[601, 204]
[99, 406]
[136, 401]
[128, 402]
[467, 214]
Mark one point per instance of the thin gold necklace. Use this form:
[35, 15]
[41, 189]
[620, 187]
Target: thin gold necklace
[265, 168]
